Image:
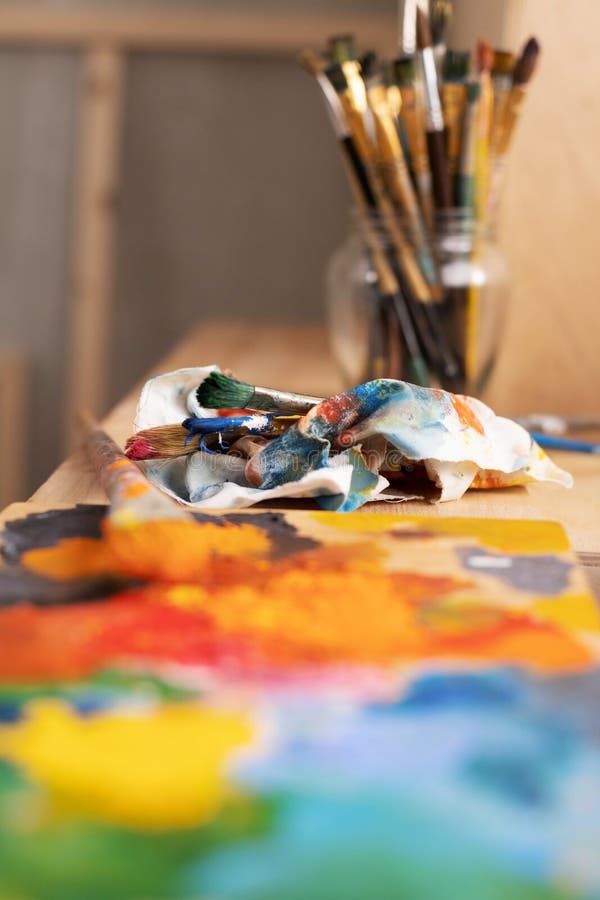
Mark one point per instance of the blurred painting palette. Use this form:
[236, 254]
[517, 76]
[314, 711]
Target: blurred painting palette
[348, 706]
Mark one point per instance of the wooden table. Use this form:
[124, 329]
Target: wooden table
[297, 358]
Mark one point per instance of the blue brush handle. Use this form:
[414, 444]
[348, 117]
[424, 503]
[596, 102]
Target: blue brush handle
[551, 442]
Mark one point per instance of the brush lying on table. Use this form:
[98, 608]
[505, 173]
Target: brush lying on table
[421, 136]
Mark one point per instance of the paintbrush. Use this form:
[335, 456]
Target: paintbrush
[502, 77]
[454, 100]
[396, 176]
[360, 180]
[522, 73]
[132, 497]
[465, 199]
[440, 17]
[552, 442]
[399, 275]
[218, 390]
[549, 423]
[394, 169]
[413, 120]
[341, 48]
[146, 533]
[434, 119]
[465, 176]
[485, 59]
[169, 441]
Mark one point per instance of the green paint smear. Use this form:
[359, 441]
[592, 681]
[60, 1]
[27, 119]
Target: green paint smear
[78, 860]
[107, 681]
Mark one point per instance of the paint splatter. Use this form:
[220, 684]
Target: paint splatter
[100, 765]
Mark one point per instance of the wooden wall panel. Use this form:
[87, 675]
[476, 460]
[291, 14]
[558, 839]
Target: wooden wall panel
[549, 226]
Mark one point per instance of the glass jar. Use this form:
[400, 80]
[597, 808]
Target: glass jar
[391, 316]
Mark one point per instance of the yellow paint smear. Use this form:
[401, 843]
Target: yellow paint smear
[180, 549]
[570, 611]
[152, 770]
[508, 535]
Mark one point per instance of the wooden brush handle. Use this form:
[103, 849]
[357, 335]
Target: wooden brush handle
[442, 189]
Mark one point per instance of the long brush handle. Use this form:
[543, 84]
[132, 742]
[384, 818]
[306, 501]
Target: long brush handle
[552, 442]
[130, 493]
[442, 188]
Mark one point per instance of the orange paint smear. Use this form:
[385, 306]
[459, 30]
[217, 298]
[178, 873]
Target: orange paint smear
[217, 600]
[465, 414]
[317, 608]
[180, 549]
[71, 558]
[172, 550]
[135, 490]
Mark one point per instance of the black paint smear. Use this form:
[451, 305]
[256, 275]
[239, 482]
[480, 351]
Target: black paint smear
[18, 586]
[45, 529]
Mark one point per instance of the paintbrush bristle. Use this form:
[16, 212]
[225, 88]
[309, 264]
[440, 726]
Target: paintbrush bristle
[219, 391]
[484, 56]
[311, 61]
[473, 91]
[441, 15]
[457, 65]
[161, 442]
[405, 71]
[504, 62]
[336, 75]
[341, 48]
[423, 30]
[369, 65]
[527, 62]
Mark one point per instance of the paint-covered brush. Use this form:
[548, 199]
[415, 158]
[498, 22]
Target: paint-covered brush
[147, 534]
[502, 78]
[132, 497]
[465, 176]
[484, 62]
[522, 74]
[341, 48]
[413, 120]
[218, 391]
[440, 17]
[506, 114]
[170, 441]
[454, 101]
[434, 119]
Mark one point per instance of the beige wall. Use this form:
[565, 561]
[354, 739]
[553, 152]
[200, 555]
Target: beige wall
[550, 229]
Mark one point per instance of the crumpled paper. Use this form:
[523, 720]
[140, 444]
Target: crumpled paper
[336, 454]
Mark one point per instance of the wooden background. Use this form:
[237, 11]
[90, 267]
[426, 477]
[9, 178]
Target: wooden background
[550, 220]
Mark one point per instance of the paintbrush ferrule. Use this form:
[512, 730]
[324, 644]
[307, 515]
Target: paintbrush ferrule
[283, 401]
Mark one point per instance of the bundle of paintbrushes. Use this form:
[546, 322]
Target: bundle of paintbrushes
[424, 140]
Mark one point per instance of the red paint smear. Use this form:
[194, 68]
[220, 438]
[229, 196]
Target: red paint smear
[339, 410]
[74, 641]
[140, 448]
